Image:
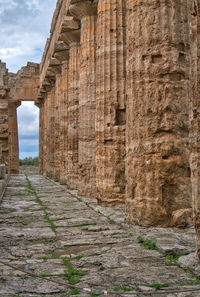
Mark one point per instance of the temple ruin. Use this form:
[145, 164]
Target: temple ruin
[118, 92]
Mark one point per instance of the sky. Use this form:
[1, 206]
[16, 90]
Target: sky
[24, 28]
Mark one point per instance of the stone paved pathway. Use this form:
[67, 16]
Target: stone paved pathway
[53, 241]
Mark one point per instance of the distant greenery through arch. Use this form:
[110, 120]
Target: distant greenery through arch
[29, 161]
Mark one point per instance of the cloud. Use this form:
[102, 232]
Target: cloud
[24, 28]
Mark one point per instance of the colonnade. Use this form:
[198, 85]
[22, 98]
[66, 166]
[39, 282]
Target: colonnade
[115, 107]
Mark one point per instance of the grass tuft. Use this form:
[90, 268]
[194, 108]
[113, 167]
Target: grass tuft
[72, 274]
[147, 244]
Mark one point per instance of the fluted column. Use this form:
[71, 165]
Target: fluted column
[45, 144]
[57, 128]
[51, 128]
[40, 104]
[48, 136]
[64, 122]
[195, 116]
[110, 102]
[86, 11]
[13, 161]
[157, 150]
[73, 114]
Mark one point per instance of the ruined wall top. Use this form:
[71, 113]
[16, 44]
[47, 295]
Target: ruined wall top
[3, 80]
[22, 85]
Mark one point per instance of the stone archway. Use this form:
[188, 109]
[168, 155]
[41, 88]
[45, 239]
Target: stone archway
[15, 88]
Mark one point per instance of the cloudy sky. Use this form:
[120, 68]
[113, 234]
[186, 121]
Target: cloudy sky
[24, 28]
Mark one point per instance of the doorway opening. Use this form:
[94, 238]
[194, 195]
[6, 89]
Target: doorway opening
[28, 135]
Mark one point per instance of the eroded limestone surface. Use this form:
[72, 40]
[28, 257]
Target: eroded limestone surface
[43, 223]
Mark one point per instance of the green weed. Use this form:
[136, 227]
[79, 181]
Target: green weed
[111, 221]
[72, 274]
[147, 244]
[171, 259]
[157, 286]
[123, 289]
[75, 291]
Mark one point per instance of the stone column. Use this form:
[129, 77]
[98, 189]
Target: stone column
[64, 122]
[13, 164]
[45, 145]
[49, 115]
[195, 115]
[57, 128]
[110, 102]
[86, 12]
[4, 128]
[157, 150]
[72, 38]
[40, 104]
[73, 114]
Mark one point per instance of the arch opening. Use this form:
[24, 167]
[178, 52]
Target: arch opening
[28, 134]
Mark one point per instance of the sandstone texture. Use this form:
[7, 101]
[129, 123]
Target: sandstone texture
[44, 227]
[118, 90]
[123, 104]
[13, 89]
[194, 114]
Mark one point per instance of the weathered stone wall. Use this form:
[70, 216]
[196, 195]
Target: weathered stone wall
[4, 110]
[13, 89]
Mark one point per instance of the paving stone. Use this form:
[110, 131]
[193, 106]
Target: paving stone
[94, 239]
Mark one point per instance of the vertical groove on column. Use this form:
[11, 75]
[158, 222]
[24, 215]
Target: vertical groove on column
[13, 139]
[52, 129]
[194, 115]
[41, 138]
[87, 106]
[157, 159]
[110, 107]
[57, 128]
[73, 115]
[63, 122]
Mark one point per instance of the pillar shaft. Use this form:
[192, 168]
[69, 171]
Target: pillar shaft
[4, 129]
[64, 122]
[87, 107]
[195, 116]
[13, 144]
[73, 114]
[110, 102]
[57, 120]
[157, 156]
[41, 138]
[45, 147]
[51, 99]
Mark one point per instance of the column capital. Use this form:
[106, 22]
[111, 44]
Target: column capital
[82, 8]
[70, 37]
